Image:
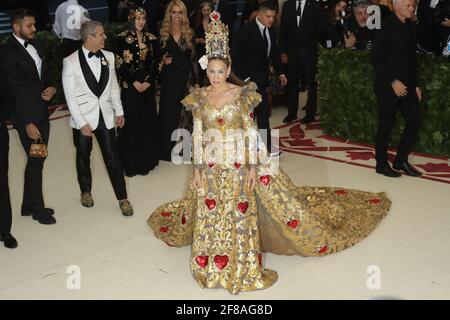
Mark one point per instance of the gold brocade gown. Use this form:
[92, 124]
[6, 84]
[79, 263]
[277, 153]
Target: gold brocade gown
[229, 226]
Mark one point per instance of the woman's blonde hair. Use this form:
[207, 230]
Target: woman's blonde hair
[186, 32]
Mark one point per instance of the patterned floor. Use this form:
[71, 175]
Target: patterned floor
[309, 140]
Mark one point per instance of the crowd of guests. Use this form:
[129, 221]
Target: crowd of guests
[160, 52]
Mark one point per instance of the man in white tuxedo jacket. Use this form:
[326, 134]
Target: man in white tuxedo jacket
[93, 97]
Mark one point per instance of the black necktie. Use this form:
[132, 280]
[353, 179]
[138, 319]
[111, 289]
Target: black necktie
[97, 54]
[266, 43]
[299, 11]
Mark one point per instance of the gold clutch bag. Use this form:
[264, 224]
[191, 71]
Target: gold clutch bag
[38, 149]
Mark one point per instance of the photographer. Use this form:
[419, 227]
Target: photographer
[357, 35]
[434, 25]
[335, 14]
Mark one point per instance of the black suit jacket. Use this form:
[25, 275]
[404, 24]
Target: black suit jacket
[5, 98]
[302, 40]
[394, 53]
[249, 55]
[26, 87]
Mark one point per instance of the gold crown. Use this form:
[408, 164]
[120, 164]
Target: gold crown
[136, 11]
[216, 38]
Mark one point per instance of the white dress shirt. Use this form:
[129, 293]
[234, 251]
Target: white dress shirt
[94, 63]
[69, 16]
[261, 29]
[33, 53]
[302, 3]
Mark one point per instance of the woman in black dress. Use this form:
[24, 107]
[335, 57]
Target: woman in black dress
[202, 20]
[138, 140]
[177, 73]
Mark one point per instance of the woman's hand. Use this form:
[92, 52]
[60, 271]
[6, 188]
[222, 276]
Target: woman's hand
[145, 86]
[197, 179]
[251, 178]
[138, 86]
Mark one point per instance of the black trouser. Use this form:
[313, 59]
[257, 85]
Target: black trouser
[5, 202]
[33, 200]
[107, 141]
[388, 103]
[262, 114]
[70, 46]
[304, 68]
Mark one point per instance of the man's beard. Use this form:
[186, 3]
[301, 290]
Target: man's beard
[26, 36]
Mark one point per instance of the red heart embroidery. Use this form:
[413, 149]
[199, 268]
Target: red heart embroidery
[164, 229]
[260, 259]
[183, 219]
[237, 165]
[323, 249]
[202, 261]
[293, 223]
[220, 121]
[211, 164]
[243, 206]
[166, 214]
[341, 192]
[252, 115]
[374, 201]
[210, 203]
[265, 180]
[221, 261]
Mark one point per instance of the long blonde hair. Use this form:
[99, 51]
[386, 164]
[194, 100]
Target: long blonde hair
[186, 32]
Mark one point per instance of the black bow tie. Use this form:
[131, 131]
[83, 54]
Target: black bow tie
[26, 43]
[98, 54]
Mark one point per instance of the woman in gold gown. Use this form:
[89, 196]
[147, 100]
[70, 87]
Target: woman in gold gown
[235, 209]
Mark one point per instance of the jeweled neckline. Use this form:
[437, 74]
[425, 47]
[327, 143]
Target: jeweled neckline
[225, 104]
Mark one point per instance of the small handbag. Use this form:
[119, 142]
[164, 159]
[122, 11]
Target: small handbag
[38, 149]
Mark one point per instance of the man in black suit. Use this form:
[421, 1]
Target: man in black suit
[301, 22]
[5, 203]
[256, 46]
[31, 89]
[396, 86]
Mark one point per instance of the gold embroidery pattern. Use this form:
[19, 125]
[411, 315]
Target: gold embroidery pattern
[129, 39]
[143, 53]
[127, 56]
[119, 61]
[229, 226]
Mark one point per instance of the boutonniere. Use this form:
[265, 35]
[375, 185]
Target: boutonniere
[104, 61]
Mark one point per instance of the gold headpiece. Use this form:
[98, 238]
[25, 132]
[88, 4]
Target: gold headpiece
[216, 40]
[137, 11]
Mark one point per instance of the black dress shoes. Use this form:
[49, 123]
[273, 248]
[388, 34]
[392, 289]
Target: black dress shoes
[44, 218]
[26, 212]
[387, 171]
[289, 119]
[307, 119]
[407, 168]
[8, 240]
